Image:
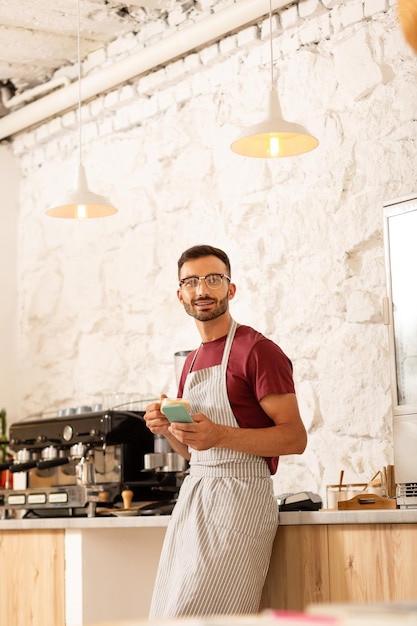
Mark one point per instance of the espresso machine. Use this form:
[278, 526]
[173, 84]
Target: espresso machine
[81, 463]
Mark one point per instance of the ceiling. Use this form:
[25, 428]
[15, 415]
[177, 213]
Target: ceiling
[39, 47]
[37, 37]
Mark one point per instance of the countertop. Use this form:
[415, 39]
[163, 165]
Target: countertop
[293, 518]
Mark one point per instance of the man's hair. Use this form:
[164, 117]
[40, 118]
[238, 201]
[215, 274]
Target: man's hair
[196, 252]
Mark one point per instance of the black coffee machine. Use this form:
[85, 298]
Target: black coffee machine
[80, 464]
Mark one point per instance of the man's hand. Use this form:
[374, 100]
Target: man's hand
[201, 435]
[155, 420]
[159, 425]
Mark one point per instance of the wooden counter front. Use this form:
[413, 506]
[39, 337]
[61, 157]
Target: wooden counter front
[298, 573]
[77, 572]
[372, 563]
[341, 563]
[32, 575]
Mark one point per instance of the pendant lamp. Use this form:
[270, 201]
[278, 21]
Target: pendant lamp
[407, 14]
[274, 137]
[81, 203]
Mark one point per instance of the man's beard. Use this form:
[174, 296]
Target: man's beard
[207, 316]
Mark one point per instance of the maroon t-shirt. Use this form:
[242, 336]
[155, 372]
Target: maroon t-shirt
[257, 367]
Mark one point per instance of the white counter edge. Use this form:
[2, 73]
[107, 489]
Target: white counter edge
[56, 523]
[293, 518]
[329, 517]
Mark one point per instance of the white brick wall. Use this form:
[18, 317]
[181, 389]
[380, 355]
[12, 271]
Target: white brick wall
[97, 309]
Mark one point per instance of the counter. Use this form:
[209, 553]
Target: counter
[78, 571]
[341, 557]
[81, 571]
[293, 518]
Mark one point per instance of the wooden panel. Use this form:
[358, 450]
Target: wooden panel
[32, 578]
[298, 574]
[372, 563]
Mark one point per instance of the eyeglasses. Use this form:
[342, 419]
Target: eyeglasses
[213, 281]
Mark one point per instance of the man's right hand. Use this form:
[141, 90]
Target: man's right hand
[158, 425]
[155, 420]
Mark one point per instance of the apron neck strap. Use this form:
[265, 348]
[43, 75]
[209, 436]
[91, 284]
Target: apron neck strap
[229, 341]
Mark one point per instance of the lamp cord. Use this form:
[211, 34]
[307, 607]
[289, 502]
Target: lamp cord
[270, 44]
[79, 77]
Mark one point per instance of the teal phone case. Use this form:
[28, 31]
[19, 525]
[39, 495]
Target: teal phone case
[176, 413]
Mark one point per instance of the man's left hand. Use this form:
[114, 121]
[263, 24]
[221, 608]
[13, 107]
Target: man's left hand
[202, 434]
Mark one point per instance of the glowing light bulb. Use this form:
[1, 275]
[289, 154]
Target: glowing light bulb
[81, 212]
[273, 145]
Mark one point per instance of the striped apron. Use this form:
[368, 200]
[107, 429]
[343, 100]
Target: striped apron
[218, 543]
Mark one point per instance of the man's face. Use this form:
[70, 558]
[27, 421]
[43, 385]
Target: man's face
[203, 303]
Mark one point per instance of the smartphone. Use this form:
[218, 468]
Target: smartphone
[176, 413]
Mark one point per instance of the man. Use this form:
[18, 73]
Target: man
[241, 392]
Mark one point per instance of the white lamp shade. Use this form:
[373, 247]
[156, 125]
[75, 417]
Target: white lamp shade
[81, 203]
[274, 137]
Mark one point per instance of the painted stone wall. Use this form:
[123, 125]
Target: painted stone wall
[9, 182]
[97, 309]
